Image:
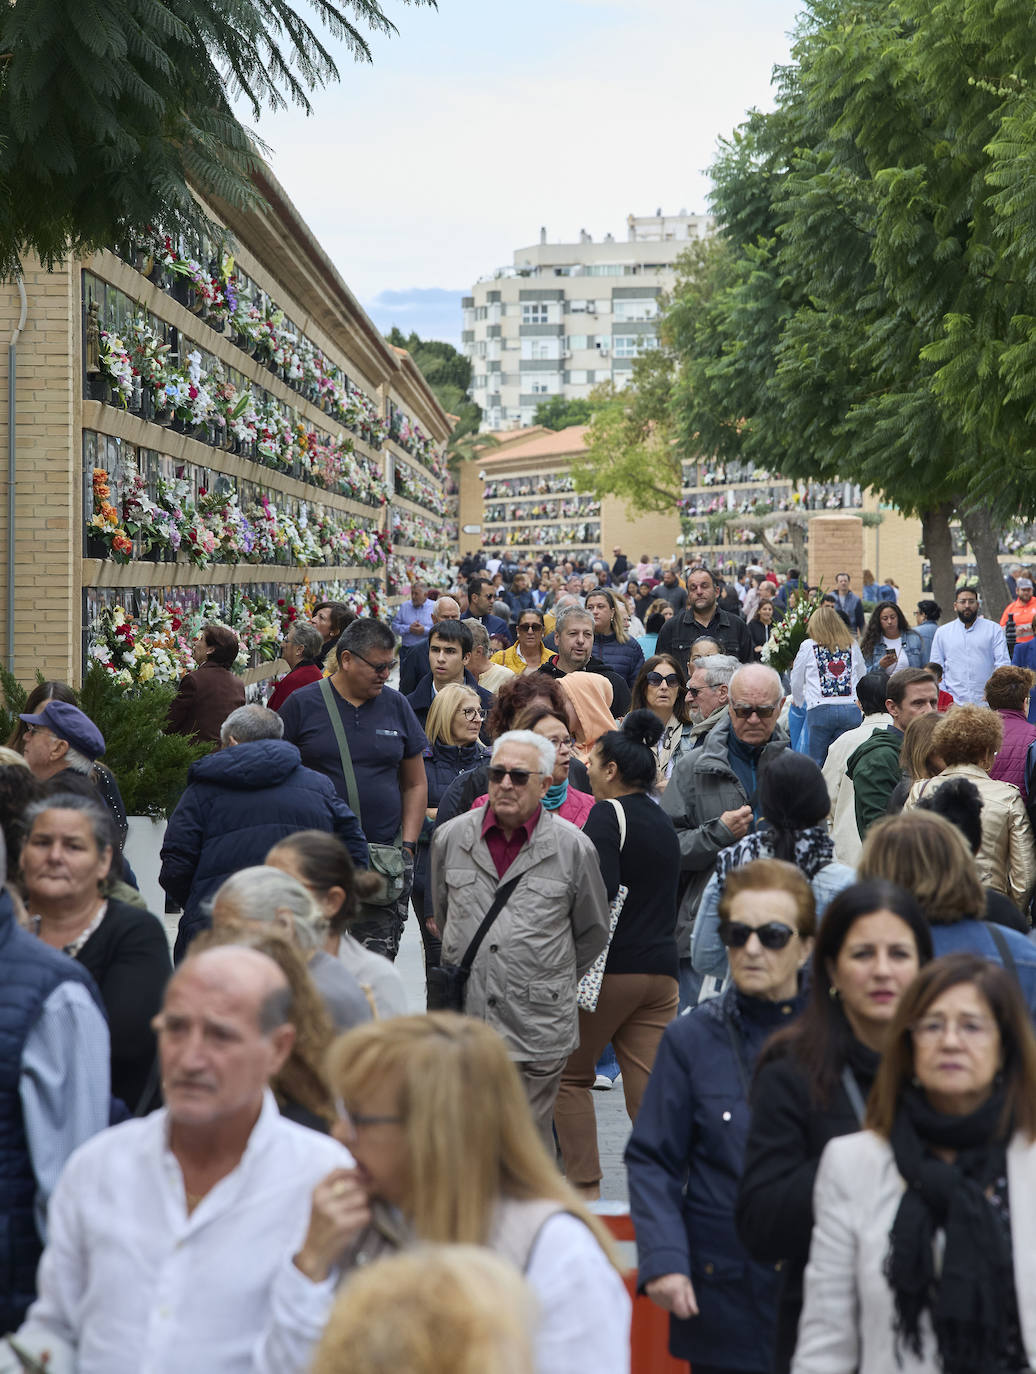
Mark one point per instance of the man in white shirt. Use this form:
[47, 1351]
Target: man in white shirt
[871, 691]
[170, 1237]
[968, 650]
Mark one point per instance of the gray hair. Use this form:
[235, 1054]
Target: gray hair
[307, 637]
[546, 751]
[77, 762]
[263, 894]
[479, 635]
[252, 722]
[718, 669]
[101, 822]
[575, 612]
[277, 1006]
[563, 602]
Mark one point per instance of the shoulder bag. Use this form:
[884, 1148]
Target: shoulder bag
[589, 989]
[447, 983]
[385, 859]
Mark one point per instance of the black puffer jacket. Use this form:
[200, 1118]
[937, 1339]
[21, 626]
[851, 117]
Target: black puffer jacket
[443, 764]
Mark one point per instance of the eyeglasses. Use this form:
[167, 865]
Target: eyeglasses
[382, 669]
[32, 730]
[931, 1029]
[773, 935]
[565, 743]
[694, 692]
[518, 776]
[353, 1121]
[747, 712]
[657, 680]
[473, 713]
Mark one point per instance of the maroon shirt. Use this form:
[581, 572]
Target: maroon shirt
[504, 851]
[298, 677]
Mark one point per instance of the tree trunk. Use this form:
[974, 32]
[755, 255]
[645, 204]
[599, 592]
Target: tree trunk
[982, 536]
[938, 546]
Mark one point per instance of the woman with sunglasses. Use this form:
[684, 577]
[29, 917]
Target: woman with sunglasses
[794, 804]
[526, 654]
[639, 989]
[813, 1078]
[452, 727]
[921, 1257]
[661, 687]
[686, 1153]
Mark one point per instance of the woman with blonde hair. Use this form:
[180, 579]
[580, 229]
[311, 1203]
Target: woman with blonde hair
[590, 709]
[929, 857]
[967, 739]
[446, 1151]
[612, 642]
[452, 727]
[918, 758]
[824, 675]
[437, 1309]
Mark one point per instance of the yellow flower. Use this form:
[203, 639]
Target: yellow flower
[147, 672]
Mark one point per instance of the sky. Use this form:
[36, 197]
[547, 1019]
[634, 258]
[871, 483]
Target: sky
[479, 122]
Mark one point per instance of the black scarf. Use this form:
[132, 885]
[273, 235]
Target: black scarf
[972, 1300]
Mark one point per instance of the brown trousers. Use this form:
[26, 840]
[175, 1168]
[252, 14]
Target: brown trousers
[632, 1012]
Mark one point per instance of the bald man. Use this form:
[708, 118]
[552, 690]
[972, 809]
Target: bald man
[170, 1237]
[413, 660]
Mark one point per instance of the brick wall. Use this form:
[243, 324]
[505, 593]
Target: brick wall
[835, 545]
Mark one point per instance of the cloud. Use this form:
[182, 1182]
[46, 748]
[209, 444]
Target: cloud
[431, 312]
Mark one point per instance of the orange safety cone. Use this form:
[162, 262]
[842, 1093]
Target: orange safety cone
[649, 1334]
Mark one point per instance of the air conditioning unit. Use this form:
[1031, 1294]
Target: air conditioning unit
[567, 353]
[604, 352]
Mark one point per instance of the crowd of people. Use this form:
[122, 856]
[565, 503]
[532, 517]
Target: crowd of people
[789, 914]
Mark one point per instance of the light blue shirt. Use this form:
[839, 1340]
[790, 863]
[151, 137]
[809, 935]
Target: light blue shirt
[64, 1085]
[406, 615]
[968, 657]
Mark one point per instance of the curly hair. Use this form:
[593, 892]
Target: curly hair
[873, 634]
[1009, 687]
[515, 696]
[968, 734]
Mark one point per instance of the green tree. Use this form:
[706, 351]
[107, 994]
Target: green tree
[560, 412]
[111, 114]
[448, 372]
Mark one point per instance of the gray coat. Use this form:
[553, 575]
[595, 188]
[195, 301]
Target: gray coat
[702, 786]
[523, 981]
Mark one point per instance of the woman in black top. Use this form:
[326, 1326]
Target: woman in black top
[639, 991]
[812, 1080]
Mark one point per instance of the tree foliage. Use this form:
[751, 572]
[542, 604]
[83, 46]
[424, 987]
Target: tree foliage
[561, 411]
[110, 110]
[448, 373]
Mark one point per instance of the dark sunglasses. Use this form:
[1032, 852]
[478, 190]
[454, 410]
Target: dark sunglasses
[693, 691]
[382, 669]
[773, 935]
[657, 680]
[519, 776]
[746, 712]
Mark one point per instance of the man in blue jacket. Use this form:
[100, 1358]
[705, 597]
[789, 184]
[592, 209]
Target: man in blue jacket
[238, 804]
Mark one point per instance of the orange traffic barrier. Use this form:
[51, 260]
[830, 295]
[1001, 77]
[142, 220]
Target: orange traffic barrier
[649, 1337]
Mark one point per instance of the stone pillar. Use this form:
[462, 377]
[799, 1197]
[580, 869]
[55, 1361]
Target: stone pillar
[835, 545]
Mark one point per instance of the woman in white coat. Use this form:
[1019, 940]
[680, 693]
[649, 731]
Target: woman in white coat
[923, 1256]
[824, 675]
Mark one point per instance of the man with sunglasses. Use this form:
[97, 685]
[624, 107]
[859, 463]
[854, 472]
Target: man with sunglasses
[548, 932]
[385, 746]
[711, 795]
[707, 686]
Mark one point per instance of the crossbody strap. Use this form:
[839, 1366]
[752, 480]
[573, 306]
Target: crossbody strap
[620, 817]
[503, 892]
[327, 692]
[1003, 948]
[852, 1092]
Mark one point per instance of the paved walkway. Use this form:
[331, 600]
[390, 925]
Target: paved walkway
[613, 1125]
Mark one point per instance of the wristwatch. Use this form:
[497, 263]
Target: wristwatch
[409, 844]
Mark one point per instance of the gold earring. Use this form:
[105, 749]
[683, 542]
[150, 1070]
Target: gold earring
[832, 992]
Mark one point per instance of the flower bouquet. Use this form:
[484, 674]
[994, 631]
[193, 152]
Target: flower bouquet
[788, 635]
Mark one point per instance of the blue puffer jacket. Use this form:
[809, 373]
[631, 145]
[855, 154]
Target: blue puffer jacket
[625, 659]
[239, 802]
[684, 1162]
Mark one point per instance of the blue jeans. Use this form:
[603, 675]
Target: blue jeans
[824, 724]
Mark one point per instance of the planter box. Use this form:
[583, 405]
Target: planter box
[143, 844]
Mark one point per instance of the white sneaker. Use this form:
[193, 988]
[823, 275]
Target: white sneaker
[602, 1083]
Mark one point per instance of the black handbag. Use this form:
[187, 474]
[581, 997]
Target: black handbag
[447, 983]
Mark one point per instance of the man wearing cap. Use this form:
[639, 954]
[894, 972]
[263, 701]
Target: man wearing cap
[1023, 608]
[61, 736]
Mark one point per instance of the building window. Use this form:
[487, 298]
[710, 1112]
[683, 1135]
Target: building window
[534, 312]
[634, 310]
[629, 345]
[540, 389]
[481, 312]
[575, 341]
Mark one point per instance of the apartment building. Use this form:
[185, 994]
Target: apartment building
[568, 316]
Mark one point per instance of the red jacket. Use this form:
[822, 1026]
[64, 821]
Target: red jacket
[299, 676]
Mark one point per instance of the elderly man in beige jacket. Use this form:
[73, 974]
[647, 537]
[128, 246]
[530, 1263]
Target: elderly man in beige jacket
[549, 931]
[871, 691]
